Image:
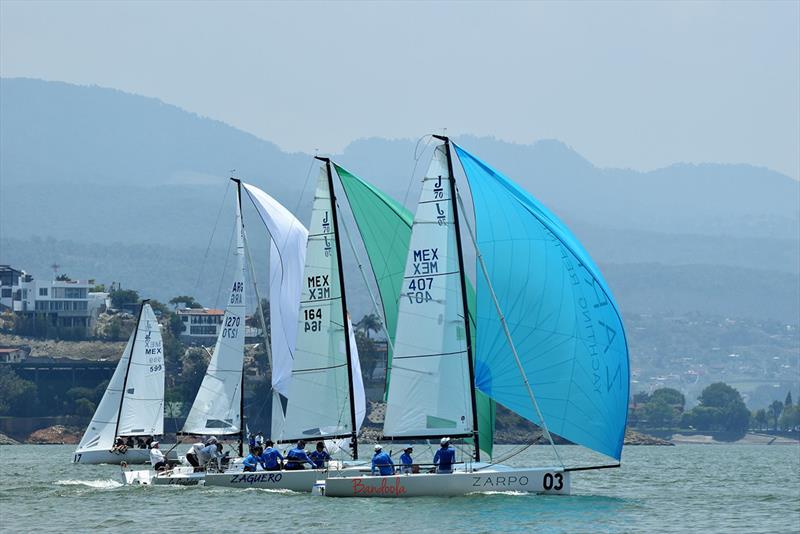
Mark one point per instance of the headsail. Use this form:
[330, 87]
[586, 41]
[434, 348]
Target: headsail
[101, 431]
[430, 391]
[287, 259]
[563, 320]
[319, 403]
[217, 407]
[377, 216]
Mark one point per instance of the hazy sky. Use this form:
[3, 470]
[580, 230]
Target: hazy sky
[639, 85]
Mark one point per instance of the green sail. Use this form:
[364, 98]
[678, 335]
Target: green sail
[385, 228]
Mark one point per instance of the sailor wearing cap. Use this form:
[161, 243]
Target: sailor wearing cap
[157, 459]
[382, 462]
[406, 462]
[445, 457]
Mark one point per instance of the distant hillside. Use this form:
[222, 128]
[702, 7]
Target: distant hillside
[126, 188]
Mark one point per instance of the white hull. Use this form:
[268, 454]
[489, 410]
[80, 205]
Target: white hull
[299, 480]
[132, 456]
[496, 478]
[179, 476]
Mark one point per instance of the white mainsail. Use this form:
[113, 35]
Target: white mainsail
[287, 260]
[142, 411]
[429, 394]
[133, 403]
[319, 391]
[217, 407]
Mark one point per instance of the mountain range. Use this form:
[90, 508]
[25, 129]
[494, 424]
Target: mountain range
[115, 186]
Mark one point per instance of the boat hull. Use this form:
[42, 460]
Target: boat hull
[300, 480]
[180, 476]
[131, 456]
[535, 480]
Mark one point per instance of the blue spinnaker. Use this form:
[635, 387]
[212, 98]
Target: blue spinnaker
[563, 320]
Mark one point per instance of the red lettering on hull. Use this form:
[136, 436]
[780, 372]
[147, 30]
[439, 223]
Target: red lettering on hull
[396, 489]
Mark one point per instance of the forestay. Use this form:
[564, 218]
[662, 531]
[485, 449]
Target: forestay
[217, 407]
[319, 398]
[430, 391]
[288, 238]
[563, 320]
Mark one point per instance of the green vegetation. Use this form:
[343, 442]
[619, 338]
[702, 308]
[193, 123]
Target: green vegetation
[187, 301]
[721, 409]
[663, 409]
[121, 297]
[17, 396]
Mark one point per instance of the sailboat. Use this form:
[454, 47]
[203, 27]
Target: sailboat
[218, 408]
[325, 397]
[133, 403]
[550, 342]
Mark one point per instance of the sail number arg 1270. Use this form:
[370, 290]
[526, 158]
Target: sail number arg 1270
[231, 327]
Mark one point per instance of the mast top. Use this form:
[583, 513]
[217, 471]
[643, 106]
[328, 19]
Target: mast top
[326, 160]
[440, 137]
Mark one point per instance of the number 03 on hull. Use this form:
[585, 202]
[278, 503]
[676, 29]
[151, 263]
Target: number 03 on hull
[554, 481]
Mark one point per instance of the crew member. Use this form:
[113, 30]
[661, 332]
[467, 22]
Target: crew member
[192, 454]
[157, 459]
[269, 458]
[251, 460]
[297, 457]
[406, 462]
[119, 446]
[444, 457]
[382, 461]
[320, 456]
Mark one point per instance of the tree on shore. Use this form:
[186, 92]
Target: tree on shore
[186, 300]
[760, 420]
[775, 410]
[721, 409]
[369, 323]
[121, 297]
[788, 401]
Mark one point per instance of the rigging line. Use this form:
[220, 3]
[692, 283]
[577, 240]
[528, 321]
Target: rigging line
[211, 239]
[259, 307]
[225, 267]
[366, 284]
[305, 183]
[508, 335]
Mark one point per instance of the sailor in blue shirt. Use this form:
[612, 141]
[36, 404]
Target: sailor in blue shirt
[269, 458]
[297, 457]
[406, 462]
[251, 460]
[382, 461]
[445, 457]
[320, 456]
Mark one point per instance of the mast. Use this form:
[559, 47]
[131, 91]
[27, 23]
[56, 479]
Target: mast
[354, 438]
[241, 380]
[462, 277]
[128, 368]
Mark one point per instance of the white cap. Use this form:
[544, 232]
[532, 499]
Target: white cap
[445, 440]
[378, 447]
[153, 444]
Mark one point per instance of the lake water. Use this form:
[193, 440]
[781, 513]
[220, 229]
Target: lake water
[697, 488]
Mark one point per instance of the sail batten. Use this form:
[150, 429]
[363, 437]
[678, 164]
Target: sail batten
[560, 313]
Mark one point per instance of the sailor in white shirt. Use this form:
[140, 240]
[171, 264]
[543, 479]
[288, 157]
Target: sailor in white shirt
[157, 459]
